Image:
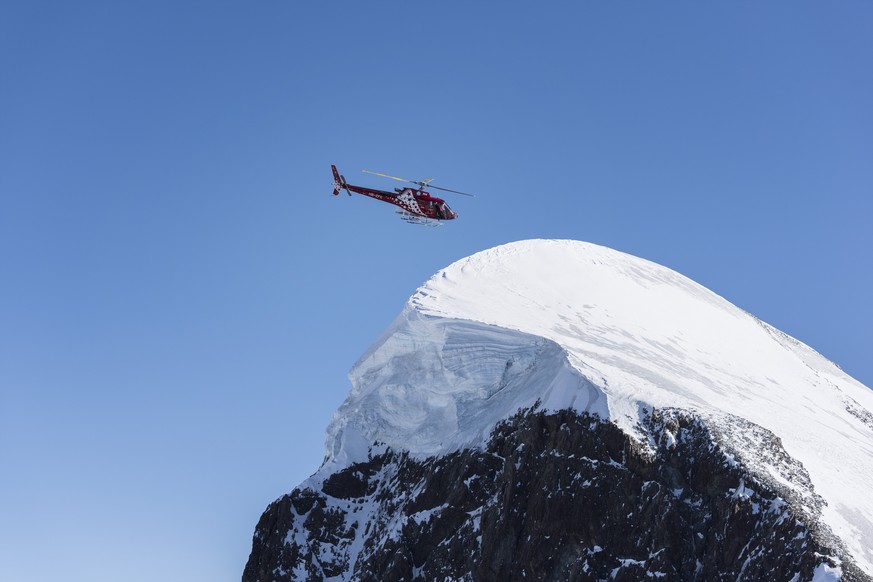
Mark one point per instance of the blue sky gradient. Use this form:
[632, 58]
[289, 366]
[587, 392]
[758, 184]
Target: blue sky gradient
[181, 297]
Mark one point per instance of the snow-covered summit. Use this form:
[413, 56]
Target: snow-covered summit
[575, 325]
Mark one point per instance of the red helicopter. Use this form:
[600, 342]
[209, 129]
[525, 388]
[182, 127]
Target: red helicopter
[416, 205]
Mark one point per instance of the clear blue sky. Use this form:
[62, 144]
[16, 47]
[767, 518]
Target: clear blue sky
[181, 297]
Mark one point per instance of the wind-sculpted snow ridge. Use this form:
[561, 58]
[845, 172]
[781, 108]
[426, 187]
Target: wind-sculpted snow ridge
[433, 385]
[572, 325]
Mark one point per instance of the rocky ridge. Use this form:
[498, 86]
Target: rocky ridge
[557, 496]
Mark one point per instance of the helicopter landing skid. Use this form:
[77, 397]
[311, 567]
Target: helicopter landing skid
[422, 220]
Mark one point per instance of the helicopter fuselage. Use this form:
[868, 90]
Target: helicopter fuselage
[415, 202]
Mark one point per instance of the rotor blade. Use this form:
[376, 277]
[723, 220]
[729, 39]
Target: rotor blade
[392, 177]
[424, 184]
[447, 190]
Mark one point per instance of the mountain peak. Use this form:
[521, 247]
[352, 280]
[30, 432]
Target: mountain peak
[559, 324]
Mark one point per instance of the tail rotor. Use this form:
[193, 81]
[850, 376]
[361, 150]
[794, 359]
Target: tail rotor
[339, 182]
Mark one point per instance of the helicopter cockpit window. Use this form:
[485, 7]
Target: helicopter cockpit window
[443, 210]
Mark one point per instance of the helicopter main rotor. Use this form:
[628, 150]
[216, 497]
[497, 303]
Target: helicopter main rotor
[421, 184]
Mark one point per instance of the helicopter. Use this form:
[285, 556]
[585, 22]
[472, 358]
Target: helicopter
[416, 205]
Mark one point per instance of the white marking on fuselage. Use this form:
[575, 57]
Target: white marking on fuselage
[409, 203]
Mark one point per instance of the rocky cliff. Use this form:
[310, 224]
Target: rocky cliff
[559, 496]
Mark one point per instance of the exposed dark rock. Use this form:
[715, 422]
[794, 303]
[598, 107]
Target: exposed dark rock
[558, 496]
